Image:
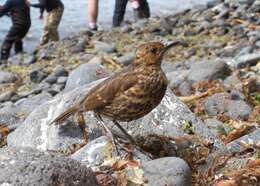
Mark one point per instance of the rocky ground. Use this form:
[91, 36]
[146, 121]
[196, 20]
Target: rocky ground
[204, 132]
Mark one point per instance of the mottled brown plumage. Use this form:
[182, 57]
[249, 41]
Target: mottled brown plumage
[129, 94]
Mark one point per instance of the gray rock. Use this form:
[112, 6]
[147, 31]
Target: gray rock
[175, 78]
[81, 45]
[242, 61]
[41, 87]
[238, 109]
[12, 121]
[185, 88]
[167, 171]
[25, 106]
[24, 166]
[51, 79]
[100, 151]
[104, 47]
[62, 79]
[237, 95]
[37, 76]
[167, 119]
[233, 82]
[208, 70]
[60, 71]
[221, 103]
[126, 59]
[216, 127]
[22, 59]
[6, 96]
[57, 87]
[7, 77]
[252, 139]
[85, 74]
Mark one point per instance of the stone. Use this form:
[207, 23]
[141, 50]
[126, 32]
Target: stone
[81, 45]
[6, 96]
[60, 71]
[166, 171]
[22, 59]
[43, 86]
[104, 47]
[57, 87]
[185, 88]
[242, 61]
[216, 127]
[100, 151]
[85, 74]
[221, 103]
[25, 166]
[62, 79]
[51, 79]
[126, 59]
[208, 70]
[7, 77]
[252, 138]
[36, 76]
[167, 119]
[25, 106]
[238, 109]
[233, 82]
[12, 121]
[177, 77]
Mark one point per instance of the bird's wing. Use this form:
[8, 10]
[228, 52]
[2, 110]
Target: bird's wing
[105, 92]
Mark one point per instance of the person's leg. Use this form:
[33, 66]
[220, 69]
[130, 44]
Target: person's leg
[10, 38]
[18, 45]
[55, 18]
[143, 11]
[92, 13]
[46, 30]
[119, 12]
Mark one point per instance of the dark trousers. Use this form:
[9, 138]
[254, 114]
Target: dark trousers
[14, 37]
[120, 7]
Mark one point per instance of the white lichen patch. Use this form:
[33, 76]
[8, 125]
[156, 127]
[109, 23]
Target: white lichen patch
[54, 111]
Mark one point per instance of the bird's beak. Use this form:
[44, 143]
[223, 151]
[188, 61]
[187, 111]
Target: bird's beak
[172, 44]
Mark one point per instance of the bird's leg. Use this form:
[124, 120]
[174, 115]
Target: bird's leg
[82, 124]
[125, 132]
[132, 140]
[111, 136]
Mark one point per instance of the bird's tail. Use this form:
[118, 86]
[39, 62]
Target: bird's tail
[61, 118]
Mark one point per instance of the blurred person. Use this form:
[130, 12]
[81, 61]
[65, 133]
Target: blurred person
[141, 10]
[52, 20]
[19, 12]
[92, 14]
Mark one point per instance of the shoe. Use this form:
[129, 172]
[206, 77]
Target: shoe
[94, 28]
[142, 12]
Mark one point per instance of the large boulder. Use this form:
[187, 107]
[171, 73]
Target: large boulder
[85, 74]
[208, 70]
[167, 119]
[25, 166]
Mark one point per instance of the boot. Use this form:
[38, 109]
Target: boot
[4, 55]
[18, 47]
[143, 11]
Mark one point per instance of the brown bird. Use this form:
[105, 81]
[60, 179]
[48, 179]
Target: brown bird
[129, 94]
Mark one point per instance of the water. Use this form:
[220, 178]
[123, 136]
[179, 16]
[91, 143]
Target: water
[75, 16]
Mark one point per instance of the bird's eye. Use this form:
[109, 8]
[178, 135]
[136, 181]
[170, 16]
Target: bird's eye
[153, 50]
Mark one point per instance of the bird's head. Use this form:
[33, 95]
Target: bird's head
[152, 53]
